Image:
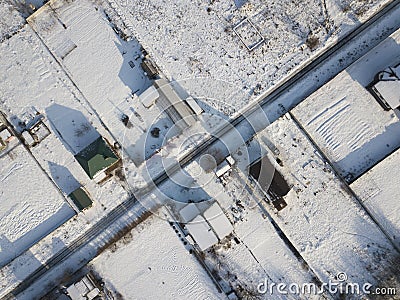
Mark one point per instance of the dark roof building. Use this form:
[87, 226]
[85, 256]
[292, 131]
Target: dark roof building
[80, 198]
[97, 159]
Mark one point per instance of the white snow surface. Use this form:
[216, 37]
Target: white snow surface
[324, 222]
[212, 52]
[10, 20]
[378, 190]
[138, 268]
[346, 121]
[30, 205]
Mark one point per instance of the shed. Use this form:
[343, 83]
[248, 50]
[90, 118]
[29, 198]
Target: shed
[189, 212]
[194, 106]
[149, 96]
[80, 198]
[177, 109]
[386, 88]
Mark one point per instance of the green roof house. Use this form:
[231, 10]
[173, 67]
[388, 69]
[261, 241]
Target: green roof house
[97, 158]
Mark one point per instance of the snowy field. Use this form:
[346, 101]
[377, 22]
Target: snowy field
[82, 78]
[30, 205]
[136, 267]
[346, 121]
[377, 189]
[211, 49]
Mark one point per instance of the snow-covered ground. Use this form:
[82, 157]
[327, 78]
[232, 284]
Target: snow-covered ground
[10, 20]
[150, 262]
[323, 220]
[81, 76]
[34, 82]
[30, 205]
[346, 121]
[377, 189]
[211, 49]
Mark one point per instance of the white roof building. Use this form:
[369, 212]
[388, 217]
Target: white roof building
[201, 233]
[218, 221]
[149, 96]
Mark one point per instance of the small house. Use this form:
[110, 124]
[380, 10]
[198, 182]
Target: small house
[98, 160]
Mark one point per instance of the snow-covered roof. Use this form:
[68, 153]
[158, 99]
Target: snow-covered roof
[218, 221]
[194, 106]
[201, 233]
[388, 86]
[390, 91]
[189, 212]
[74, 293]
[149, 96]
[379, 191]
[171, 102]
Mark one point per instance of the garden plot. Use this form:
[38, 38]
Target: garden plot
[248, 34]
[98, 52]
[346, 121]
[325, 223]
[138, 268]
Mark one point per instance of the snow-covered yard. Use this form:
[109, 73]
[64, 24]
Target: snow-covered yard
[30, 205]
[98, 52]
[378, 190]
[10, 20]
[346, 121]
[323, 220]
